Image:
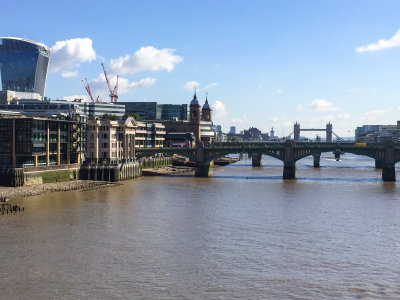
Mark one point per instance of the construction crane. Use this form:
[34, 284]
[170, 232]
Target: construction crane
[87, 87]
[113, 92]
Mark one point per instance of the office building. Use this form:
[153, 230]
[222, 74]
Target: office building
[374, 133]
[27, 141]
[23, 66]
[150, 135]
[90, 109]
[232, 130]
[157, 111]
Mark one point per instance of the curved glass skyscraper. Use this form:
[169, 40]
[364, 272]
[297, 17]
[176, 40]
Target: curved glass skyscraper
[23, 65]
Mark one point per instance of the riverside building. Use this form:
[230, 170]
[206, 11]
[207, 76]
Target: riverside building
[150, 135]
[111, 141]
[27, 141]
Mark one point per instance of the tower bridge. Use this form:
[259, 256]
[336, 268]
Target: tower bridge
[386, 155]
[327, 129]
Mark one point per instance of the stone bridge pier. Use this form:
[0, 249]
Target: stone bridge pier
[337, 154]
[379, 163]
[256, 160]
[289, 164]
[204, 168]
[317, 159]
[388, 170]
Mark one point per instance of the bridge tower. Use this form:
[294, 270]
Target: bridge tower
[296, 131]
[329, 132]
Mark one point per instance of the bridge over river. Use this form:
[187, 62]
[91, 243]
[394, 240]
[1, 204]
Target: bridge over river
[386, 155]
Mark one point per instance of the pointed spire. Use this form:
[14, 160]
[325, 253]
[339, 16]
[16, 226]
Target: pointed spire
[195, 96]
[206, 98]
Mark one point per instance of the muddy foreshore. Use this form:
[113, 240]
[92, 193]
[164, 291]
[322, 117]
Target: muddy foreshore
[32, 190]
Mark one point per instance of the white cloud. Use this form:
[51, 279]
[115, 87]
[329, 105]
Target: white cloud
[322, 105]
[238, 121]
[279, 91]
[394, 41]
[99, 85]
[191, 85]
[69, 74]
[354, 90]
[210, 85]
[343, 116]
[147, 59]
[219, 110]
[66, 55]
[85, 98]
[299, 107]
[373, 114]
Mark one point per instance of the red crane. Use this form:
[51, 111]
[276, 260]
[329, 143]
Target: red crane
[87, 87]
[113, 92]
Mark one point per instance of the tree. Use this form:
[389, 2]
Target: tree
[134, 115]
[109, 117]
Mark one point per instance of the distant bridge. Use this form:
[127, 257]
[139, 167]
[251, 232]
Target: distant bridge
[289, 152]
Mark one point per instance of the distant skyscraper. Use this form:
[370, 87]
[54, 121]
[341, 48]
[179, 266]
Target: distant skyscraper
[218, 128]
[232, 130]
[23, 65]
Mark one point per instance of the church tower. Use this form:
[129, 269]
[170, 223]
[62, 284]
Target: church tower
[206, 111]
[195, 117]
[194, 109]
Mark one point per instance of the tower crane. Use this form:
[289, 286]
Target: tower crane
[113, 92]
[87, 87]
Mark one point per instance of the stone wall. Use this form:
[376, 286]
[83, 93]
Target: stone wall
[156, 162]
[19, 177]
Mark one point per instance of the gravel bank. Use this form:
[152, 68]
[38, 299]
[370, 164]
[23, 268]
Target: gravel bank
[31, 190]
[167, 170]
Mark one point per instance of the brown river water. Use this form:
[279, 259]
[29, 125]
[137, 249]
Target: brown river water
[333, 233]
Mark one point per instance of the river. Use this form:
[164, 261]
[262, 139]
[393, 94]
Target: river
[333, 233]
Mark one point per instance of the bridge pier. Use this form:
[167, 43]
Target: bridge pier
[388, 170]
[289, 164]
[317, 159]
[289, 171]
[204, 169]
[337, 154]
[256, 160]
[379, 163]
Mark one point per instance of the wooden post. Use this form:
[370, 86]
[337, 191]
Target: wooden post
[58, 144]
[48, 144]
[14, 156]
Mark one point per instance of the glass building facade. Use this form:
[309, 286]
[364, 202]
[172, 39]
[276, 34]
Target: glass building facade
[157, 111]
[32, 142]
[23, 65]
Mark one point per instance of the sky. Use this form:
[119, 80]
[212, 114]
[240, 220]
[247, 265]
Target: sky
[263, 63]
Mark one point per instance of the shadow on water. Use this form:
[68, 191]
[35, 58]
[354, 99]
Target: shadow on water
[279, 177]
[306, 166]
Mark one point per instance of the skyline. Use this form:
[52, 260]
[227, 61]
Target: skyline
[263, 64]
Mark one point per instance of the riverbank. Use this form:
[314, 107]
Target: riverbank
[184, 167]
[32, 190]
[167, 170]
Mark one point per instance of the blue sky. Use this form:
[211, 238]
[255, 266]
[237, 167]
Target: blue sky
[263, 63]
